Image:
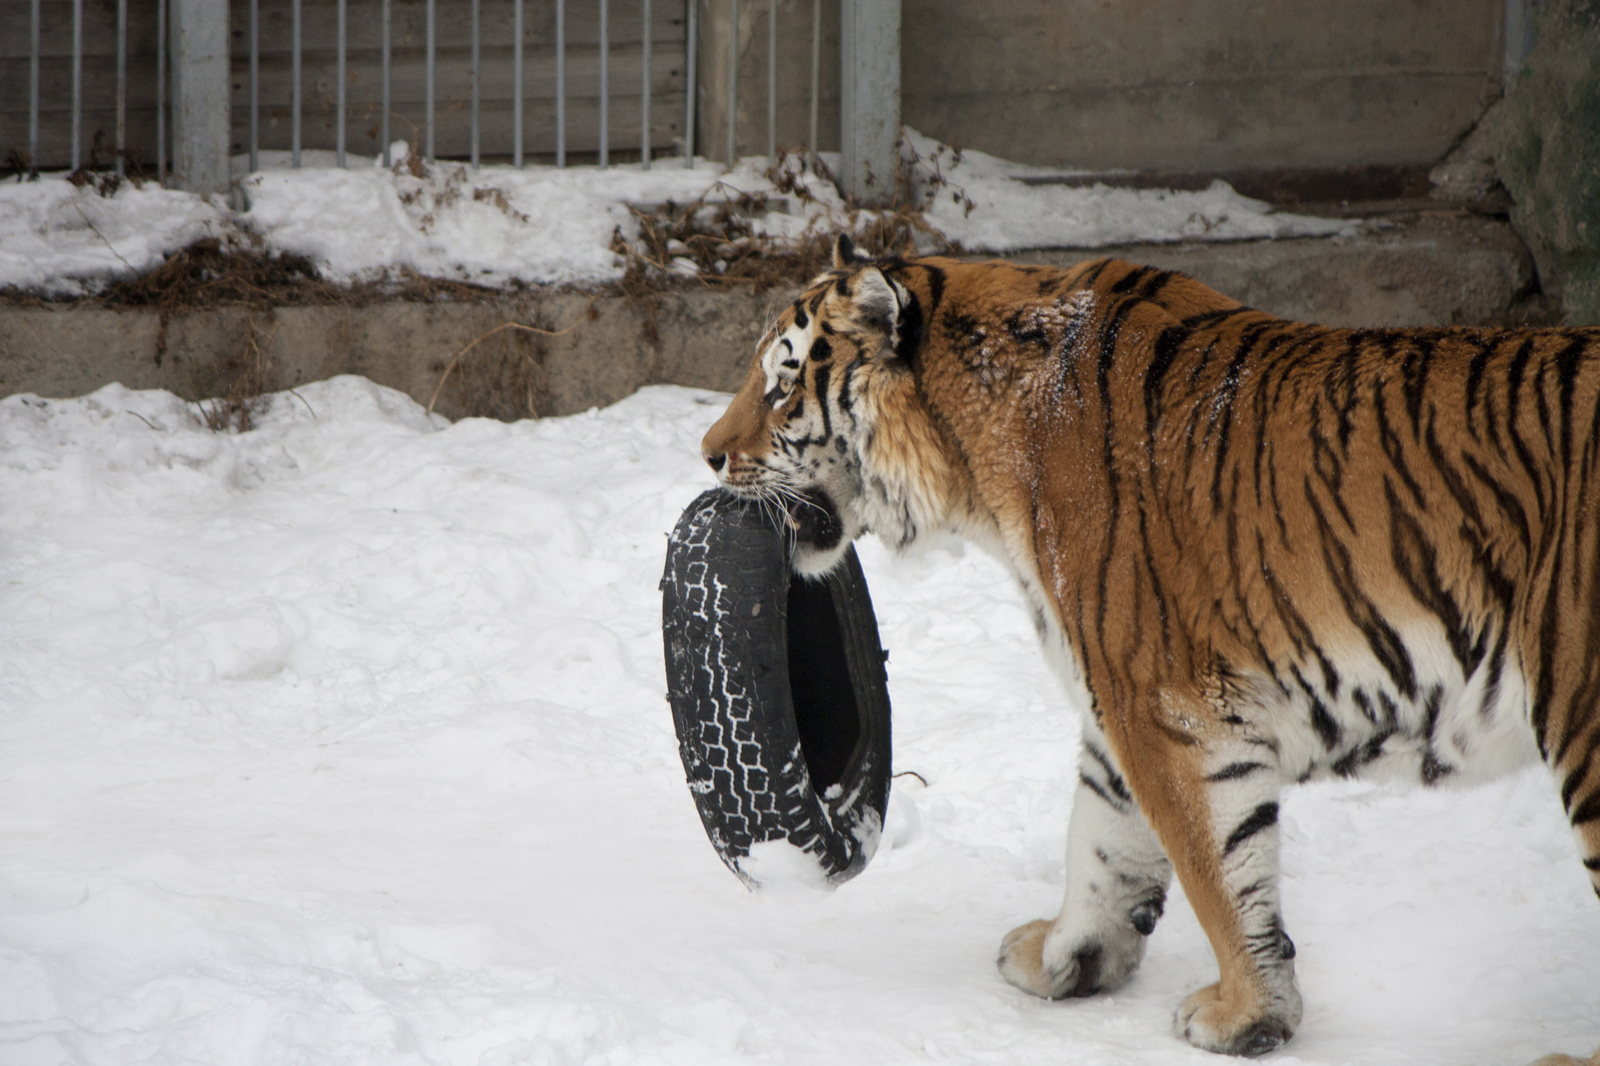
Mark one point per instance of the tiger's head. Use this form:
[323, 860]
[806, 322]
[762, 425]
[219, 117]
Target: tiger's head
[829, 426]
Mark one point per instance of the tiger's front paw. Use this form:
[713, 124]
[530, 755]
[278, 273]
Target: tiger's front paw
[1048, 961]
[1211, 1023]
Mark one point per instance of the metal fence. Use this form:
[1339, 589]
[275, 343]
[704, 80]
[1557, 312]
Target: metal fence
[367, 32]
[512, 11]
[36, 56]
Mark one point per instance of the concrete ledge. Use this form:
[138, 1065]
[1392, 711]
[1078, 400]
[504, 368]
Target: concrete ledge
[602, 352]
[1427, 271]
[1442, 269]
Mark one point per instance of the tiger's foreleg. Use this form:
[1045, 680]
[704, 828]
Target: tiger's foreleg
[1117, 877]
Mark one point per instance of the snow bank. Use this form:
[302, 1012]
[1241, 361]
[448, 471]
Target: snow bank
[498, 225]
[62, 240]
[987, 208]
[345, 740]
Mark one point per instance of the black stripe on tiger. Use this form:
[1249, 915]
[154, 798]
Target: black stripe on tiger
[1109, 334]
[1584, 695]
[1381, 637]
[1394, 451]
[1530, 465]
[1414, 373]
[1544, 688]
[1099, 790]
[1222, 409]
[1165, 351]
[1576, 778]
[1126, 283]
[1236, 770]
[1263, 817]
[1433, 768]
[1114, 779]
[908, 347]
[1567, 363]
[1341, 385]
[1588, 810]
[1416, 560]
[819, 386]
[1092, 275]
[1475, 373]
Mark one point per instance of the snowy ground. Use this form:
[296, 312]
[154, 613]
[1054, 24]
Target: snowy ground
[497, 224]
[344, 741]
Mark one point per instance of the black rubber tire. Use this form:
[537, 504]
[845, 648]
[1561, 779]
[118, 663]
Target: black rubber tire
[778, 691]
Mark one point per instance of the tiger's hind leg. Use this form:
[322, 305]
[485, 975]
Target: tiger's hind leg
[1212, 797]
[1576, 766]
[1117, 877]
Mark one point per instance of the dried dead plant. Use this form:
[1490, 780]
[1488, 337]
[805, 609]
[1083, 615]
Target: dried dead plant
[714, 240]
[503, 327]
[248, 371]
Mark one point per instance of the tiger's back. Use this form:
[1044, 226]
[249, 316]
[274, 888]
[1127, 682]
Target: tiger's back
[1259, 550]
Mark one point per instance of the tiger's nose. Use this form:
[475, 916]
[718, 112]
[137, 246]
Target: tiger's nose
[715, 460]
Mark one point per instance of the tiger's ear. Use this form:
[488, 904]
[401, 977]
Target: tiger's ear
[844, 252]
[878, 303]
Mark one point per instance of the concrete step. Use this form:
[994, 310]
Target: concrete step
[1414, 268]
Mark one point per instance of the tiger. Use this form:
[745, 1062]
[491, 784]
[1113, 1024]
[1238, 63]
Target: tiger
[1255, 551]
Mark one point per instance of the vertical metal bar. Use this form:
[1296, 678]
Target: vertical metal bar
[1519, 36]
[816, 70]
[690, 88]
[339, 94]
[33, 89]
[255, 85]
[644, 93]
[161, 90]
[477, 53]
[122, 85]
[605, 87]
[294, 124]
[561, 83]
[772, 81]
[77, 81]
[733, 83]
[427, 153]
[388, 161]
[516, 84]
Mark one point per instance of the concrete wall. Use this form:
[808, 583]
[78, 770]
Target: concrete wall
[1142, 84]
[603, 353]
[1201, 84]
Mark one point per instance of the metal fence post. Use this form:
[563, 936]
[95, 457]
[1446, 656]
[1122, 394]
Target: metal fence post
[33, 87]
[122, 86]
[200, 95]
[1519, 37]
[869, 99]
[691, 86]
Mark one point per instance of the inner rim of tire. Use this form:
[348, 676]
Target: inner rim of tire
[826, 714]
